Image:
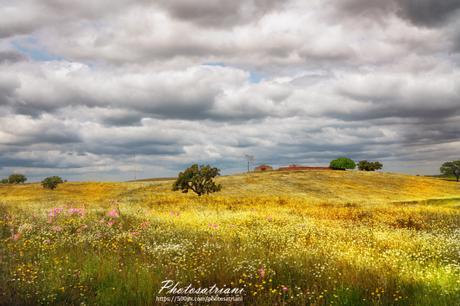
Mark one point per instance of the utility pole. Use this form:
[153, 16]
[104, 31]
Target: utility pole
[135, 167]
[249, 158]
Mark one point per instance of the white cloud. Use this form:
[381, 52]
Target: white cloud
[84, 86]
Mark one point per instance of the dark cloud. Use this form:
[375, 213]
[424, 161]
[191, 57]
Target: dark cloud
[27, 16]
[146, 149]
[43, 135]
[219, 13]
[403, 95]
[429, 12]
[122, 119]
[186, 94]
[8, 87]
[13, 162]
[11, 57]
[424, 132]
[366, 8]
[419, 12]
[375, 107]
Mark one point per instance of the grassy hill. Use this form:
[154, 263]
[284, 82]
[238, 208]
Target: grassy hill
[340, 186]
[297, 238]
[315, 186]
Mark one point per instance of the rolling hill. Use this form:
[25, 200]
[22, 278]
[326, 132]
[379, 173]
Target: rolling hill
[316, 186]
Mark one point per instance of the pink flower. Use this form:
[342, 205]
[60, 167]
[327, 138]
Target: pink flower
[261, 272]
[57, 228]
[110, 223]
[214, 225]
[144, 224]
[82, 228]
[113, 213]
[284, 288]
[16, 236]
[174, 213]
[54, 212]
[76, 211]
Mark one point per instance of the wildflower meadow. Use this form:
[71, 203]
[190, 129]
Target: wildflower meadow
[298, 238]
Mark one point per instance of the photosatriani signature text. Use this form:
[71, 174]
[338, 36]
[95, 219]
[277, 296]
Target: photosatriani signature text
[172, 291]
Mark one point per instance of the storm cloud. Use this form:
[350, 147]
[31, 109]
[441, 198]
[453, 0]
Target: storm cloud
[419, 12]
[100, 90]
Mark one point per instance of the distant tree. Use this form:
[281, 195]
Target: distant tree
[451, 168]
[52, 182]
[17, 179]
[365, 165]
[342, 163]
[199, 179]
[4, 181]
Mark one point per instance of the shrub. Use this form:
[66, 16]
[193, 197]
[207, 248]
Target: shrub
[199, 179]
[4, 181]
[364, 165]
[52, 182]
[342, 163]
[17, 179]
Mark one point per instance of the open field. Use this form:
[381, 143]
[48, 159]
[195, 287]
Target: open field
[317, 237]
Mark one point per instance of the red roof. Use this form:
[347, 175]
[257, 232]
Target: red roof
[263, 167]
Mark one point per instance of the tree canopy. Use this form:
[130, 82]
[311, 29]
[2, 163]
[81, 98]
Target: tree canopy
[199, 179]
[17, 178]
[52, 182]
[342, 163]
[451, 168]
[365, 165]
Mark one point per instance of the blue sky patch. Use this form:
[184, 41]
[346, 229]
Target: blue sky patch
[31, 48]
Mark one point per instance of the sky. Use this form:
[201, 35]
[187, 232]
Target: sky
[112, 89]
